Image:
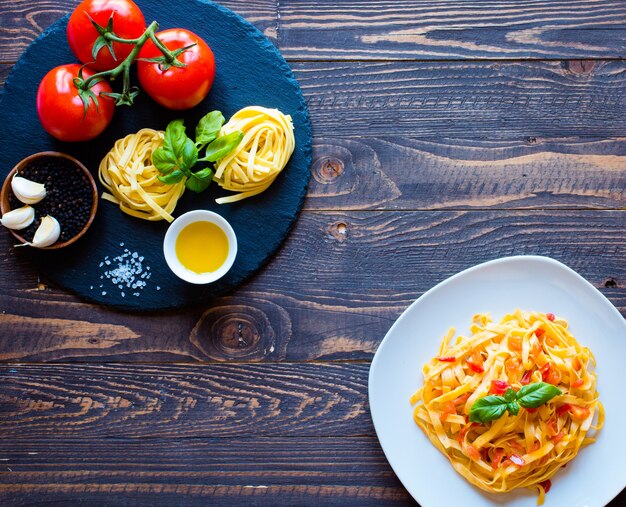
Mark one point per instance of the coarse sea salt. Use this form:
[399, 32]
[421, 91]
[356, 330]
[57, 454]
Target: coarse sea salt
[125, 271]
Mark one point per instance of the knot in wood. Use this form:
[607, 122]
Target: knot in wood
[240, 333]
[237, 332]
[581, 66]
[339, 231]
[327, 170]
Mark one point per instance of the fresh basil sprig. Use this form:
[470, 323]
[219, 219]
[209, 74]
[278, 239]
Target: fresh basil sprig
[493, 407]
[179, 154]
[209, 127]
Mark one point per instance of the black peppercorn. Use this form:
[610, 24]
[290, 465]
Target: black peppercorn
[68, 195]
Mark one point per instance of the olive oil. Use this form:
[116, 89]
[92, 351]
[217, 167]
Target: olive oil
[202, 247]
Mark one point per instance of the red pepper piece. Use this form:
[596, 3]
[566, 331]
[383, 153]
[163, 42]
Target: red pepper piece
[497, 457]
[545, 371]
[446, 359]
[498, 387]
[578, 382]
[526, 378]
[579, 413]
[566, 407]
[546, 485]
[550, 317]
[539, 332]
[475, 367]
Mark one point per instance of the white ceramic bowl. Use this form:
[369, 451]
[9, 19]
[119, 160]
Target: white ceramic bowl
[169, 246]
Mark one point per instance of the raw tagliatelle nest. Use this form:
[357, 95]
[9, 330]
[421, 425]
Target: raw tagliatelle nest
[267, 144]
[131, 179]
[513, 451]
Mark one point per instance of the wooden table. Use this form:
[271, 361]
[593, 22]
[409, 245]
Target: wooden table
[446, 133]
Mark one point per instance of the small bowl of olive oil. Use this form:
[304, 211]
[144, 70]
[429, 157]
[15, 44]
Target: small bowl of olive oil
[200, 247]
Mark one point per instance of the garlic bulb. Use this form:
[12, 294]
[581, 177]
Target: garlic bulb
[29, 192]
[19, 218]
[46, 234]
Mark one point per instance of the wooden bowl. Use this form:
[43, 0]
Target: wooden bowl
[6, 191]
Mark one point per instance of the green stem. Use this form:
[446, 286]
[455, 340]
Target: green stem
[125, 65]
[169, 56]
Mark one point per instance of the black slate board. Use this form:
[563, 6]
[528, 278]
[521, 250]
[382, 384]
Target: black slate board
[250, 71]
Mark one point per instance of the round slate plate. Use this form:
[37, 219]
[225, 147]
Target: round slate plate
[250, 71]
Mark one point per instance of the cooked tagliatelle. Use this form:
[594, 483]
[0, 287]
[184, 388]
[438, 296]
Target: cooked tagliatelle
[128, 173]
[512, 451]
[264, 151]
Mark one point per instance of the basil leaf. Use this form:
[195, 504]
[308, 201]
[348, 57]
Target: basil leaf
[205, 174]
[174, 139]
[190, 155]
[488, 409]
[222, 146]
[163, 160]
[171, 178]
[196, 185]
[510, 395]
[512, 407]
[535, 395]
[209, 127]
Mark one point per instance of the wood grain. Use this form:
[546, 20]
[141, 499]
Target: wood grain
[357, 29]
[331, 293]
[398, 173]
[178, 401]
[21, 21]
[488, 101]
[451, 29]
[253, 471]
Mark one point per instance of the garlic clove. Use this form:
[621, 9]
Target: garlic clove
[19, 218]
[29, 192]
[46, 234]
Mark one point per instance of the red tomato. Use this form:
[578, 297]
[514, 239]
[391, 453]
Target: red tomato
[61, 110]
[128, 23]
[178, 87]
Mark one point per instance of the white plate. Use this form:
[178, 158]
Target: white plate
[596, 475]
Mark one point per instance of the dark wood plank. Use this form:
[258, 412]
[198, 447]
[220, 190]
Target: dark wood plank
[250, 471]
[486, 101]
[399, 173]
[21, 21]
[331, 293]
[168, 401]
[451, 29]
[351, 29]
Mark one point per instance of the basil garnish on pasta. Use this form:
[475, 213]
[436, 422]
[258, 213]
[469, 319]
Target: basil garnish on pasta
[491, 408]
